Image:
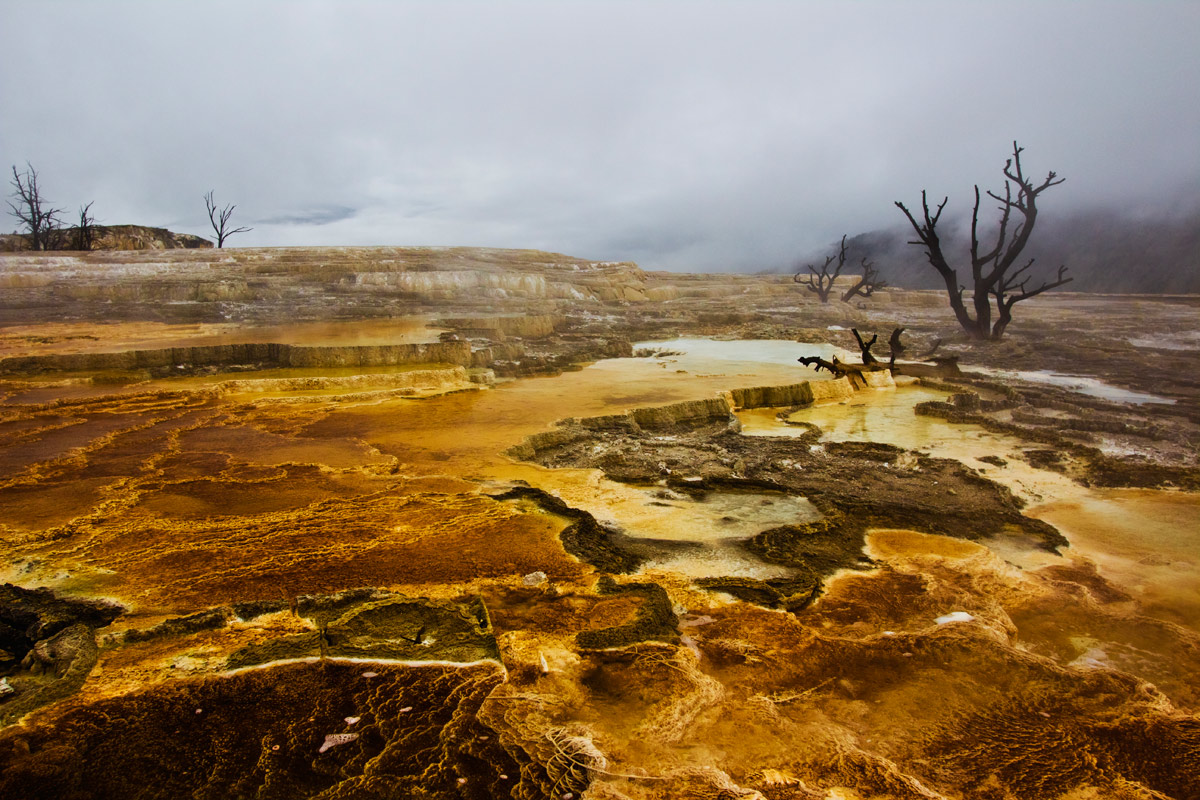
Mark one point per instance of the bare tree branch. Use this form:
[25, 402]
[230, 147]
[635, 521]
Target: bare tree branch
[834, 367]
[31, 209]
[821, 281]
[866, 285]
[992, 273]
[219, 217]
[84, 235]
[865, 347]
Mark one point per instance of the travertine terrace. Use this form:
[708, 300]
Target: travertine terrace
[400, 522]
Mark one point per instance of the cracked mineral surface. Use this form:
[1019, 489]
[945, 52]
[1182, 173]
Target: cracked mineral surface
[393, 523]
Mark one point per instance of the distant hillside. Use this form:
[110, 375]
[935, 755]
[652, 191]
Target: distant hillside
[116, 237]
[1103, 251]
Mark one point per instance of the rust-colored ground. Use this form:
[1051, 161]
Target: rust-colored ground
[941, 668]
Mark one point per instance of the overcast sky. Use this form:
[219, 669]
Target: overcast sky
[682, 135]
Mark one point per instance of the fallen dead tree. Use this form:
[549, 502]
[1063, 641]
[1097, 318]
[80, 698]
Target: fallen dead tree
[870, 363]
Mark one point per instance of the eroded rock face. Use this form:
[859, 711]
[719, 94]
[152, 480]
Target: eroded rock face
[48, 644]
[286, 284]
[118, 237]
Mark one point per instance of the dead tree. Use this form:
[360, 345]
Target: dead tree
[864, 348]
[219, 217]
[895, 348]
[866, 285]
[835, 368]
[994, 271]
[821, 281]
[32, 210]
[854, 372]
[84, 235]
[870, 363]
[894, 345]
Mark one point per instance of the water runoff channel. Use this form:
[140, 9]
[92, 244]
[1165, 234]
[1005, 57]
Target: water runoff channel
[1112, 528]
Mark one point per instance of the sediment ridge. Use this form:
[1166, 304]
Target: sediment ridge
[266, 354]
[305, 282]
[717, 409]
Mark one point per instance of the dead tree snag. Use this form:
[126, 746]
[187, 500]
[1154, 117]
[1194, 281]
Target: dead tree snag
[84, 235]
[994, 274]
[219, 217]
[864, 348]
[866, 285]
[869, 363]
[33, 211]
[835, 368]
[821, 281]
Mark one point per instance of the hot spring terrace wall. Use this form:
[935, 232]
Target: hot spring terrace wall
[275, 355]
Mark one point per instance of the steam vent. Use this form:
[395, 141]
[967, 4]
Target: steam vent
[466, 523]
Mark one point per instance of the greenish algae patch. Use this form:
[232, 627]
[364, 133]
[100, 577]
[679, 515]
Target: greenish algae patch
[788, 594]
[655, 620]
[390, 629]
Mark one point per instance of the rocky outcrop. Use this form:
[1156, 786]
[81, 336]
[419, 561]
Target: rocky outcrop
[117, 237]
[140, 237]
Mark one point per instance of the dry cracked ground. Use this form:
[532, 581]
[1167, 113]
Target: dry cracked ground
[401, 523]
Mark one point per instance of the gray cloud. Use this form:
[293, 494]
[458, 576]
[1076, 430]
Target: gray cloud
[683, 135]
[318, 216]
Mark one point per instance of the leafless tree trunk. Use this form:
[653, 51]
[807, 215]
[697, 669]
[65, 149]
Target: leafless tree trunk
[85, 233]
[992, 271]
[219, 217]
[866, 285]
[895, 347]
[870, 363]
[835, 368]
[32, 209]
[864, 348]
[821, 281]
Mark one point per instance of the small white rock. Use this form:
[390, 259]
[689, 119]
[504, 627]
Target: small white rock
[535, 578]
[954, 616]
[335, 739]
